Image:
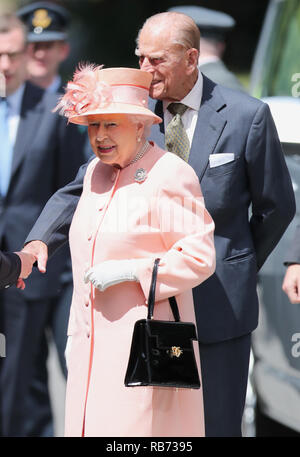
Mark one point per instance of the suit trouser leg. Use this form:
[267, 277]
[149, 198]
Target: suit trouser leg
[59, 323]
[224, 368]
[22, 322]
[39, 420]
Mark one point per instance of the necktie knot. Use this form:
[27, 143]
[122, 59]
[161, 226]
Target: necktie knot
[177, 108]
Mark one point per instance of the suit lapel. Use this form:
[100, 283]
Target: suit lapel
[209, 127]
[28, 125]
[158, 130]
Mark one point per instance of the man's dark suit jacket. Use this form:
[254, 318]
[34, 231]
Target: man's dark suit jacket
[47, 155]
[228, 122]
[10, 268]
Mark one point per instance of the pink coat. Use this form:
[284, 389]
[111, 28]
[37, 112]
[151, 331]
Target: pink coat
[120, 218]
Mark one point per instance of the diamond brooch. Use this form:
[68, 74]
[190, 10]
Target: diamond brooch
[140, 175]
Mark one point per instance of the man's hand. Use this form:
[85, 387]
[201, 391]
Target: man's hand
[27, 261]
[40, 251]
[291, 283]
[20, 284]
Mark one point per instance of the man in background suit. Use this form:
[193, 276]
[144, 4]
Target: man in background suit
[236, 153]
[40, 153]
[214, 26]
[48, 48]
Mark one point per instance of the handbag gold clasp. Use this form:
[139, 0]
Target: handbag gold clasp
[176, 351]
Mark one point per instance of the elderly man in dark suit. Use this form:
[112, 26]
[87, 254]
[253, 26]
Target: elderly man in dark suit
[230, 140]
[48, 47]
[39, 155]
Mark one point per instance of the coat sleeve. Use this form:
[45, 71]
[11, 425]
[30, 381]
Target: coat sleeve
[293, 254]
[10, 268]
[273, 200]
[187, 231]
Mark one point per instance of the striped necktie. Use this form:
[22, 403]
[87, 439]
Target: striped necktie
[6, 149]
[176, 139]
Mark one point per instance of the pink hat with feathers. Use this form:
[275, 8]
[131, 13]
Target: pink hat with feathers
[95, 90]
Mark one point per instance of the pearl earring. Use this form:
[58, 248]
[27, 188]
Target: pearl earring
[139, 140]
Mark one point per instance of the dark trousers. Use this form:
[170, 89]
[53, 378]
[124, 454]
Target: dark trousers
[25, 408]
[224, 367]
[39, 420]
[21, 322]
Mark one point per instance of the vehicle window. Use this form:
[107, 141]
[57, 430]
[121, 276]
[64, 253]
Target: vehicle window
[281, 66]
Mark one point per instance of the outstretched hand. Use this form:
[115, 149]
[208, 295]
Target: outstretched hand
[27, 261]
[291, 283]
[40, 251]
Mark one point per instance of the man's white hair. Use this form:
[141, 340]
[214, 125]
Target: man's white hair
[184, 31]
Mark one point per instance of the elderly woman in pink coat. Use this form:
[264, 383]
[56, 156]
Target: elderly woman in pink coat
[138, 203]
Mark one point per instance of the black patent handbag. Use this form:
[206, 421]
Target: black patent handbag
[162, 352]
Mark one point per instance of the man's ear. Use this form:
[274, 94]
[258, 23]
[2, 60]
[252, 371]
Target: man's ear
[192, 56]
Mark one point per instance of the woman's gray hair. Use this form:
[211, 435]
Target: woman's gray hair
[139, 119]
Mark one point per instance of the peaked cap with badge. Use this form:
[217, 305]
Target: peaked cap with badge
[45, 21]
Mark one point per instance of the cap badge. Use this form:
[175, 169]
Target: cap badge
[41, 19]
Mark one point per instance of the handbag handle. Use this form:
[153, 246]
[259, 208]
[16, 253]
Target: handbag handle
[151, 297]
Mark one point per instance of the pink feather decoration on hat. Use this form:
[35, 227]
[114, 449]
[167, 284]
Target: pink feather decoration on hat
[84, 93]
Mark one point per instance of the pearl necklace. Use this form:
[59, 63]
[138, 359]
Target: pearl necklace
[139, 154]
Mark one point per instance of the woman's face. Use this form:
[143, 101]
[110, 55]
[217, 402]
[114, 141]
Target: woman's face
[114, 138]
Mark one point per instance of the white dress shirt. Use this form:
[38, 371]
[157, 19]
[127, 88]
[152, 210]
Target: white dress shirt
[14, 112]
[55, 85]
[193, 101]
[208, 59]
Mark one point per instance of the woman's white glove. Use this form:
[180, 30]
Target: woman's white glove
[111, 272]
[68, 350]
